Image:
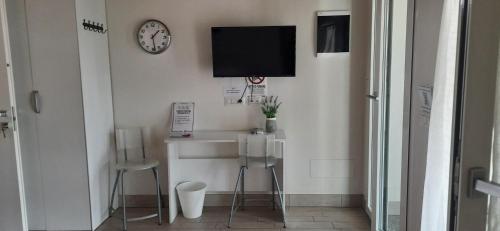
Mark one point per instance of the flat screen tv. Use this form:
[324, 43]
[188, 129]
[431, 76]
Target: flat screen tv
[264, 51]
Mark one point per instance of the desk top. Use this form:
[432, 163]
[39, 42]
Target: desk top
[218, 136]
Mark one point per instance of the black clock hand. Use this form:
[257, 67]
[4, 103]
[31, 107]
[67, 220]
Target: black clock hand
[152, 37]
[154, 45]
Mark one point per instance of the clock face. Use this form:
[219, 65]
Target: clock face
[153, 36]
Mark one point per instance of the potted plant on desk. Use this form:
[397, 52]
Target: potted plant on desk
[270, 108]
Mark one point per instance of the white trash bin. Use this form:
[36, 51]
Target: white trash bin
[192, 196]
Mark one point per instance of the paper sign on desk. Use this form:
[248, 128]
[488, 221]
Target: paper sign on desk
[182, 119]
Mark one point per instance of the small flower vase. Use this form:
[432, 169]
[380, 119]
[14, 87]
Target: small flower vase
[271, 125]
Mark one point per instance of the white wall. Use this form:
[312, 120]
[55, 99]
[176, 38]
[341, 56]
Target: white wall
[323, 107]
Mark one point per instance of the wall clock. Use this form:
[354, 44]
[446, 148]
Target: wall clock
[154, 37]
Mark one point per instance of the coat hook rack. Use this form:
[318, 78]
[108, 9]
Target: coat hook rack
[94, 26]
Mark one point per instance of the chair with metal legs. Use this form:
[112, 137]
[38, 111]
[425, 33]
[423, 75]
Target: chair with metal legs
[256, 151]
[132, 158]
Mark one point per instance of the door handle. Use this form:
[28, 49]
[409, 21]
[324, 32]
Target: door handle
[489, 188]
[7, 120]
[478, 186]
[35, 98]
[4, 126]
[373, 96]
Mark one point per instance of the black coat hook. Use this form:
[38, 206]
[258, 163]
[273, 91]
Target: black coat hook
[94, 26]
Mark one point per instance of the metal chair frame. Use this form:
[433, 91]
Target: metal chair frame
[270, 147]
[120, 176]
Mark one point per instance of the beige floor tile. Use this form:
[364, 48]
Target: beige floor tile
[249, 225]
[306, 218]
[343, 218]
[347, 225]
[194, 225]
[252, 218]
[304, 211]
[293, 229]
[309, 225]
[233, 229]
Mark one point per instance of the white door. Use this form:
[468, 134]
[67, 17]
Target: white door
[11, 192]
[479, 163]
[373, 110]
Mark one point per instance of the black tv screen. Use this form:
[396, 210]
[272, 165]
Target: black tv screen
[267, 51]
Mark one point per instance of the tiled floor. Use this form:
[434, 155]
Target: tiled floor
[254, 218]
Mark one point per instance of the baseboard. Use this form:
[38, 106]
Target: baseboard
[330, 200]
[366, 209]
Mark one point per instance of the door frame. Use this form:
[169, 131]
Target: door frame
[460, 79]
[381, 28]
[381, 37]
[374, 120]
[15, 125]
[407, 106]
[469, 151]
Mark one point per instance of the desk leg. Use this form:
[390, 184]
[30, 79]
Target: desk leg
[283, 173]
[172, 158]
[242, 188]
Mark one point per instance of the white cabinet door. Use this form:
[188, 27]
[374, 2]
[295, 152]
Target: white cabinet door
[61, 132]
[478, 117]
[11, 193]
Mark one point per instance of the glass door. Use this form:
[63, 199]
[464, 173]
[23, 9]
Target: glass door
[375, 108]
[389, 113]
[476, 204]
[392, 152]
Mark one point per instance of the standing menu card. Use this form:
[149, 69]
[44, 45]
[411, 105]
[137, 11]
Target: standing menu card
[182, 119]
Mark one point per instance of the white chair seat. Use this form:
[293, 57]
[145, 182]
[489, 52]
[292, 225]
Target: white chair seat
[258, 162]
[137, 165]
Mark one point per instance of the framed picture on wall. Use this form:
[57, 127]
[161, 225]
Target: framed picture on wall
[333, 32]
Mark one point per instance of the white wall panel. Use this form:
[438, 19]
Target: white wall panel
[98, 105]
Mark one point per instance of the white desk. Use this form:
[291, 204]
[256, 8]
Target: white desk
[207, 168]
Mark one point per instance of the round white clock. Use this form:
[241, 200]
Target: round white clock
[154, 37]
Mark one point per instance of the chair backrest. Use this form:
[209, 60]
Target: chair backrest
[130, 144]
[255, 148]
